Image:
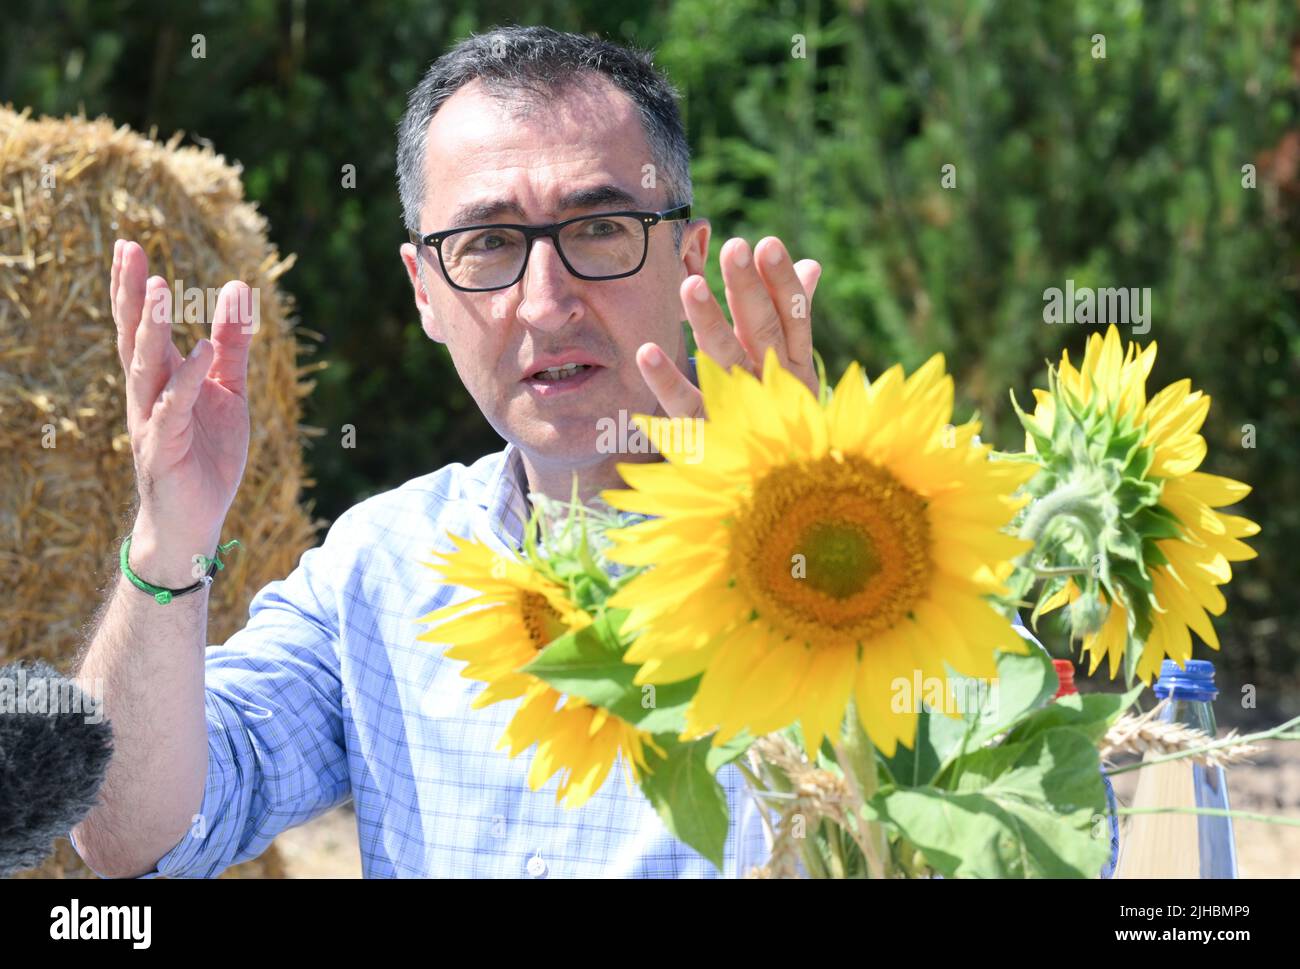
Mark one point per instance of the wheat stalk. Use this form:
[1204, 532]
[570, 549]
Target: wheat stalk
[1146, 734]
[816, 794]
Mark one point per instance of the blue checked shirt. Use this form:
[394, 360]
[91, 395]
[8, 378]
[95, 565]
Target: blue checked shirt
[327, 693]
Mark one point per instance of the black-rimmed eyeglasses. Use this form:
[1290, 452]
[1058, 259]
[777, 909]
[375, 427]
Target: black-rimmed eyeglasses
[609, 245]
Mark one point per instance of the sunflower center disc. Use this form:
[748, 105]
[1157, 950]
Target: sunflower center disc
[832, 551]
[541, 620]
[840, 559]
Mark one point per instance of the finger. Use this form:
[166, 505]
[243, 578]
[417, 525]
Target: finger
[171, 414]
[128, 298]
[713, 334]
[232, 334]
[792, 303]
[810, 273]
[151, 366]
[112, 278]
[758, 324]
[676, 395]
[128, 302]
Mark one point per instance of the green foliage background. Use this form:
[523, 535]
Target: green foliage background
[1117, 171]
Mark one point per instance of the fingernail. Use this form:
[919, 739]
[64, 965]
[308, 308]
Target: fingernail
[742, 254]
[772, 255]
[197, 348]
[701, 291]
[654, 358]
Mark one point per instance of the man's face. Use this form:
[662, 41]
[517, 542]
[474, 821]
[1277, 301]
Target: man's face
[480, 150]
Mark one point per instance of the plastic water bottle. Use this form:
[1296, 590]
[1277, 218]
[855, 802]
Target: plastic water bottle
[1182, 845]
[753, 842]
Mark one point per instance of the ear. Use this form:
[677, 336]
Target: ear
[695, 247]
[428, 318]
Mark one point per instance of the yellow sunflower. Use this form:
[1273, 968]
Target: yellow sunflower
[808, 553]
[1186, 586]
[516, 613]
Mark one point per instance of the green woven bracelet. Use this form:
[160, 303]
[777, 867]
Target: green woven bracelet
[163, 596]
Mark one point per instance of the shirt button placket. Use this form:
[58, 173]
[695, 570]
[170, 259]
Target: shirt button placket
[536, 866]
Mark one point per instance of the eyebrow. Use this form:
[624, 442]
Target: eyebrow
[479, 213]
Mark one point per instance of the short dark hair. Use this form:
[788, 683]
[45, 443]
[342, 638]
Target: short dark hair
[519, 63]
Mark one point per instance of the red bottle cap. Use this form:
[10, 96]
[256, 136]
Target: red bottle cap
[1064, 673]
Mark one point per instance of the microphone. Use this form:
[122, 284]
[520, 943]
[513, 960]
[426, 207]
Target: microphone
[55, 747]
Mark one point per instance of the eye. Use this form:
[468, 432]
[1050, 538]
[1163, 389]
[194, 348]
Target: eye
[603, 228]
[486, 241]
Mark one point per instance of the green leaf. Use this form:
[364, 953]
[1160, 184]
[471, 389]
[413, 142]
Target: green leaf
[1087, 613]
[1042, 443]
[725, 753]
[1024, 682]
[1132, 656]
[938, 738]
[687, 796]
[1139, 462]
[1156, 523]
[1134, 495]
[1125, 543]
[1137, 594]
[660, 711]
[1025, 811]
[1092, 713]
[589, 664]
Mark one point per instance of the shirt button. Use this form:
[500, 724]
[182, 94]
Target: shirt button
[536, 866]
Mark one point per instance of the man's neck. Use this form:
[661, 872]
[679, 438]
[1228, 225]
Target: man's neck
[557, 482]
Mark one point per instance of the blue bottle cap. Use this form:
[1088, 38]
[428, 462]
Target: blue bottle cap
[1195, 682]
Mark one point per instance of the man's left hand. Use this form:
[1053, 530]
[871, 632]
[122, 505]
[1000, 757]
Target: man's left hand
[771, 302]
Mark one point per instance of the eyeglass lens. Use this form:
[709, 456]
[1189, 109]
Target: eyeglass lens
[599, 246]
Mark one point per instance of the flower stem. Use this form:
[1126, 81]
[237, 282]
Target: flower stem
[857, 759]
[1049, 573]
[837, 850]
[1071, 500]
[1217, 813]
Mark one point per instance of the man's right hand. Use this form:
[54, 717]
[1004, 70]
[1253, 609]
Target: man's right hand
[187, 417]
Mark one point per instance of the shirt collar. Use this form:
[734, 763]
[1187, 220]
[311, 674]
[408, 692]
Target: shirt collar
[505, 496]
[505, 493]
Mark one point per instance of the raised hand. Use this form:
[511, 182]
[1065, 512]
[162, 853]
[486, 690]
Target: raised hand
[187, 417]
[771, 303]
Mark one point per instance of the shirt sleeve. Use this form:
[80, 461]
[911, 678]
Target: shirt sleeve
[274, 710]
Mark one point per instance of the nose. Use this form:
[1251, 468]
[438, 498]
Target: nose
[550, 302]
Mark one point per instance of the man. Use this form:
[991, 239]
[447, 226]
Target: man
[327, 693]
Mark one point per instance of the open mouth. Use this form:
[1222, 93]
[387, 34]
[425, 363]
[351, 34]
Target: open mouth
[561, 374]
[562, 379]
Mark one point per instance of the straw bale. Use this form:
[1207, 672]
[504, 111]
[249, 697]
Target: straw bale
[68, 188]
